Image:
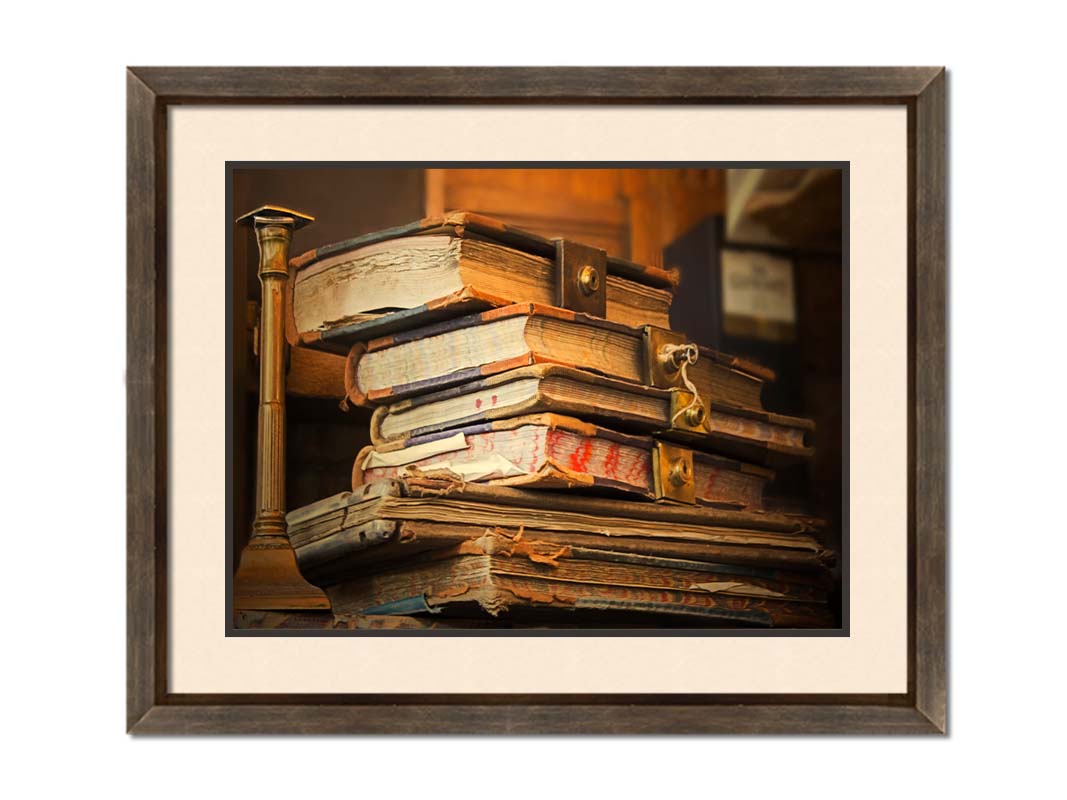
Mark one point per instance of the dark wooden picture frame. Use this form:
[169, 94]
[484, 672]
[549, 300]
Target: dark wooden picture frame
[153, 708]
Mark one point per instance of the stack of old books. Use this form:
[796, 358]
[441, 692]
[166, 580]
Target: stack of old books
[545, 450]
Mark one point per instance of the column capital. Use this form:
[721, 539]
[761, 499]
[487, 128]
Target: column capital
[275, 215]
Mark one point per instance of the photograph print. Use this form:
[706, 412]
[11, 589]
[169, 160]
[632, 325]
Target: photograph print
[544, 398]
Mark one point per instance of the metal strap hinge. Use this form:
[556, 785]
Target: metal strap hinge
[662, 369]
[581, 278]
[672, 473]
[685, 415]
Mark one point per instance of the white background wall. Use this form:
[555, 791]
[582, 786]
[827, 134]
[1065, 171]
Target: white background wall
[64, 505]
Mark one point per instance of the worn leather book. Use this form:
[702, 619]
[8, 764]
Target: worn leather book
[438, 549]
[753, 435]
[465, 584]
[330, 549]
[550, 451]
[478, 345]
[383, 521]
[522, 574]
[445, 266]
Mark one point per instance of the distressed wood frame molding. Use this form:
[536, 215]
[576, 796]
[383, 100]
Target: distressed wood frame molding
[152, 708]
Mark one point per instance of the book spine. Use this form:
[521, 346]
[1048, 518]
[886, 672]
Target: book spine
[353, 395]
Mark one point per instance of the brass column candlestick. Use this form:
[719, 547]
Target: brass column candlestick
[267, 575]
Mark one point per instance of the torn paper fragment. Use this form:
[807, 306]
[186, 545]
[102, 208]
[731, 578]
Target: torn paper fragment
[487, 468]
[727, 586]
[409, 455]
[716, 586]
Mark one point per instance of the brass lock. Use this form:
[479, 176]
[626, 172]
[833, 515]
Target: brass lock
[685, 415]
[588, 280]
[672, 473]
[695, 415]
[663, 363]
[681, 472]
[670, 361]
[581, 278]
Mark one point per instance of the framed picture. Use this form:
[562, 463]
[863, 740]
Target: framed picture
[536, 400]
